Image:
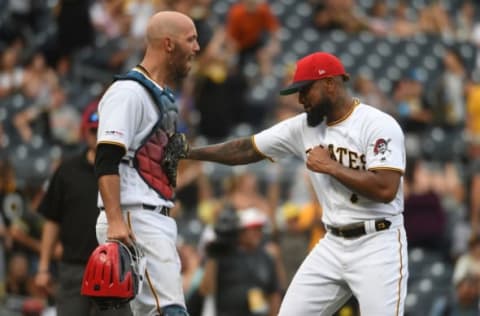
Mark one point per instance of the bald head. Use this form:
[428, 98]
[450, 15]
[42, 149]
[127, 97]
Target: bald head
[172, 44]
[167, 24]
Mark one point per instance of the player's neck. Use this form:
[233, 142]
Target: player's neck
[155, 73]
[343, 106]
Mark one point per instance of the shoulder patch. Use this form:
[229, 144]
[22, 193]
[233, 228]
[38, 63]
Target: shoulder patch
[380, 147]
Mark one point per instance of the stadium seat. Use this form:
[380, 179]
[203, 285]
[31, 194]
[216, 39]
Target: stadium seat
[339, 36]
[310, 34]
[278, 9]
[220, 8]
[304, 10]
[294, 22]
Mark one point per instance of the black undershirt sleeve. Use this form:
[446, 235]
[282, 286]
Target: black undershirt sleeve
[107, 159]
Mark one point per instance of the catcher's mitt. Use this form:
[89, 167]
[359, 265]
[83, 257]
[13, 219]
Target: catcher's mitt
[176, 149]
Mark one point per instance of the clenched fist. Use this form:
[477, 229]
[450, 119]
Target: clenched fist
[319, 160]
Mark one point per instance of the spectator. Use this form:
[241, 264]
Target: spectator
[56, 121]
[475, 39]
[191, 274]
[193, 187]
[219, 92]
[287, 106]
[110, 18]
[111, 23]
[368, 91]
[75, 30]
[379, 21]
[449, 93]
[434, 19]
[12, 75]
[40, 83]
[294, 239]
[425, 218]
[468, 263]
[466, 276]
[3, 254]
[140, 11]
[474, 196]
[40, 79]
[258, 38]
[4, 139]
[472, 128]
[19, 281]
[302, 225]
[7, 178]
[242, 191]
[412, 110]
[465, 21]
[463, 302]
[403, 26]
[333, 14]
[302, 230]
[447, 181]
[11, 204]
[242, 276]
[26, 228]
[7, 196]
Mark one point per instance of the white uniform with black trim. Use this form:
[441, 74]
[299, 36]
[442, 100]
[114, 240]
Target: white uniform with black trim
[373, 267]
[127, 114]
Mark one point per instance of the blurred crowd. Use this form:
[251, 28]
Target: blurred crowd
[56, 58]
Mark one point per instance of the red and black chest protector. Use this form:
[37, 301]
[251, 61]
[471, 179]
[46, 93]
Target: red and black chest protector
[148, 156]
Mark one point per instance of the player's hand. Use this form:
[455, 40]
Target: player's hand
[319, 160]
[118, 230]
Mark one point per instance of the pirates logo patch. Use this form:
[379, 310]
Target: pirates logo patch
[381, 147]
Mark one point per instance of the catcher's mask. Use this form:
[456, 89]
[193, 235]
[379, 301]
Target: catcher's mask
[112, 276]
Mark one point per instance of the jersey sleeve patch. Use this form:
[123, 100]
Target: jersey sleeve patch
[381, 148]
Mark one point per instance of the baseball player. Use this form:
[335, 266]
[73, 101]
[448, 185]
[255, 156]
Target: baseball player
[137, 124]
[356, 158]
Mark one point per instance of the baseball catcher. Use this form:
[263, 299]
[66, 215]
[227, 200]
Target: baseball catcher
[156, 160]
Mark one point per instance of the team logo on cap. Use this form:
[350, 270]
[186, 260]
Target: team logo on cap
[322, 72]
[380, 147]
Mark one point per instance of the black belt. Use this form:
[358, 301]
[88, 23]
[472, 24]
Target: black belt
[160, 209]
[357, 230]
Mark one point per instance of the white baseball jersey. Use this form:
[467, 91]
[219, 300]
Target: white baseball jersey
[365, 139]
[127, 115]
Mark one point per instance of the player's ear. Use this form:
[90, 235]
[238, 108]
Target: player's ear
[169, 45]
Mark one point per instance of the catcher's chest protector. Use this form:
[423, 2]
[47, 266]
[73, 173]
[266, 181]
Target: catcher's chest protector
[148, 157]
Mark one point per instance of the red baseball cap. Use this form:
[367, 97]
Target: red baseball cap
[314, 67]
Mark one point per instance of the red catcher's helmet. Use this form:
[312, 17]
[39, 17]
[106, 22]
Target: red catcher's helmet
[112, 277]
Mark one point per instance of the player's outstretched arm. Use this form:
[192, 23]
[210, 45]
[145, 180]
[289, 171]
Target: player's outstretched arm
[238, 151]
